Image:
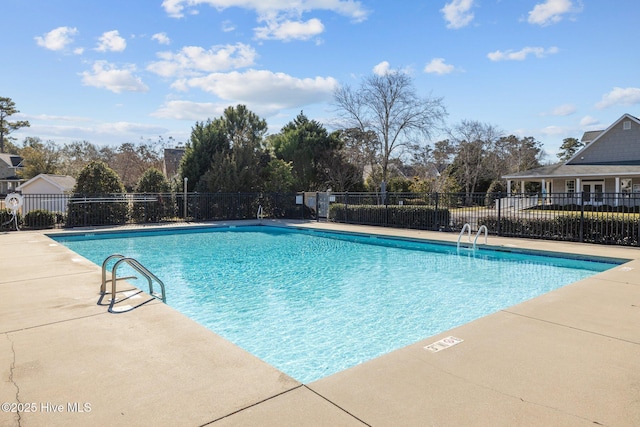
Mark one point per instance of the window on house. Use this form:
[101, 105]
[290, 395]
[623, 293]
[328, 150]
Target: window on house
[570, 186]
[626, 125]
[625, 185]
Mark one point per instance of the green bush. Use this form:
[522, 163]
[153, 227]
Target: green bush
[40, 218]
[415, 217]
[6, 219]
[157, 203]
[97, 198]
[568, 227]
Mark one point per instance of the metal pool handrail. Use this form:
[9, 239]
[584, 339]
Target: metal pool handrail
[467, 226]
[486, 232]
[133, 263]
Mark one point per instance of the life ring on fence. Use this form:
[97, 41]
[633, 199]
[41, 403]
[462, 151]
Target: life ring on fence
[13, 202]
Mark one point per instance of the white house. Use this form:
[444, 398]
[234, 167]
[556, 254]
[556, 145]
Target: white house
[605, 171]
[45, 191]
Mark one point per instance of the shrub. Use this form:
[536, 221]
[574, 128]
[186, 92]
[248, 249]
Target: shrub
[568, 227]
[40, 218]
[6, 219]
[153, 210]
[97, 197]
[416, 217]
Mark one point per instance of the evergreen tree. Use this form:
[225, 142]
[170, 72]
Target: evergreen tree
[91, 205]
[569, 147]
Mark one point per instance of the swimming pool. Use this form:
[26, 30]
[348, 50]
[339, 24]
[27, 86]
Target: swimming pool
[314, 303]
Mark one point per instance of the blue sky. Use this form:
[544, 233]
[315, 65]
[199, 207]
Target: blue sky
[115, 71]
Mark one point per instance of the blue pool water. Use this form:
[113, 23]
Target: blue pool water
[314, 303]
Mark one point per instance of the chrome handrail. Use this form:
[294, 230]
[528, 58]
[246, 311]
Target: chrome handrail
[486, 232]
[467, 226]
[135, 264]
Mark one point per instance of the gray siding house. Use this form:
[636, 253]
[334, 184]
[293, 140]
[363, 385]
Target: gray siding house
[9, 165]
[605, 171]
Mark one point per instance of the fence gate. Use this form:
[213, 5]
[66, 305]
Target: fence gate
[323, 205]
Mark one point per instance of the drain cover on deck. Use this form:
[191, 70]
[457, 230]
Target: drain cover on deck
[443, 344]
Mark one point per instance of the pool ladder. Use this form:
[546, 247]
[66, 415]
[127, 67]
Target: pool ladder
[467, 227]
[133, 263]
[260, 214]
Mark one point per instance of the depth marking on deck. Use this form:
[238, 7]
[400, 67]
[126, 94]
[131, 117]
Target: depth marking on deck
[443, 344]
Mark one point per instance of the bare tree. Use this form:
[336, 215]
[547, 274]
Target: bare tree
[389, 106]
[472, 143]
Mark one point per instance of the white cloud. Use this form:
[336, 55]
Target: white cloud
[438, 66]
[589, 121]
[128, 128]
[457, 13]
[107, 76]
[521, 55]
[193, 60]
[262, 90]
[553, 130]
[550, 12]
[290, 30]
[189, 110]
[264, 8]
[57, 39]
[111, 42]
[383, 68]
[620, 96]
[227, 26]
[161, 38]
[564, 110]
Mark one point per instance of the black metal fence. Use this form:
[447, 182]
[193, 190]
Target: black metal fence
[604, 218]
[38, 211]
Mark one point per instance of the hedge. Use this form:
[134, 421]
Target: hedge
[415, 217]
[610, 231]
[40, 218]
[6, 219]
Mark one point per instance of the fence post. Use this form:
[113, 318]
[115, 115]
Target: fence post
[318, 206]
[437, 213]
[346, 206]
[185, 199]
[499, 205]
[581, 233]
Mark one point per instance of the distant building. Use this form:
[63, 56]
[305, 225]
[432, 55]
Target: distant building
[605, 171]
[171, 162]
[48, 192]
[9, 165]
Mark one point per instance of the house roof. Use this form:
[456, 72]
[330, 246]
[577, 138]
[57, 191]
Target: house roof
[590, 135]
[580, 155]
[562, 170]
[63, 182]
[592, 160]
[12, 160]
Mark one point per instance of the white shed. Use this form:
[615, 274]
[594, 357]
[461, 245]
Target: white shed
[46, 191]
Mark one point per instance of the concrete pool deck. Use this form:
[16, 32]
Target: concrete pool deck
[568, 358]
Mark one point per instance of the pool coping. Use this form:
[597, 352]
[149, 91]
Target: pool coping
[568, 357]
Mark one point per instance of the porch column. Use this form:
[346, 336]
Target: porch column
[617, 196]
[544, 191]
[579, 189]
[508, 187]
[521, 187]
